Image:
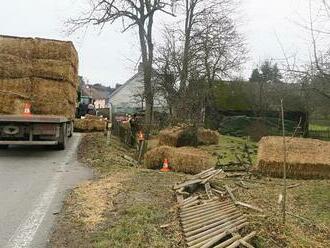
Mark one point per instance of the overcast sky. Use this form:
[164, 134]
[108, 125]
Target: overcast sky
[110, 57]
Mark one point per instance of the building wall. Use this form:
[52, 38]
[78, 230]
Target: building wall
[126, 99]
[100, 103]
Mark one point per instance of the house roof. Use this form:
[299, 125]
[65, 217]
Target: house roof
[126, 83]
[95, 92]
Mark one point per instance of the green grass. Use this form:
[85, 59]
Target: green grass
[316, 193]
[229, 146]
[138, 226]
[316, 127]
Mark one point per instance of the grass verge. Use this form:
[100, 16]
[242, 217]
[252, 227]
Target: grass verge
[132, 207]
[124, 207]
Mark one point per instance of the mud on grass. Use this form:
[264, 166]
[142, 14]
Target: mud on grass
[124, 207]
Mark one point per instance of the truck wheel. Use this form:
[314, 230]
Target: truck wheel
[71, 129]
[63, 138]
[4, 147]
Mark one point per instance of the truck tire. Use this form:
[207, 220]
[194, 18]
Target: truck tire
[71, 129]
[63, 137]
[2, 147]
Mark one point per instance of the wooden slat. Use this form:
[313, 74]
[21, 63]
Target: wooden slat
[187, 183]
[199, 220]
[225, 243]
[224, 226]
[218, 219]
[217, 223]
[200, 211]
[218, 233]
[206, 214]
[244, 239]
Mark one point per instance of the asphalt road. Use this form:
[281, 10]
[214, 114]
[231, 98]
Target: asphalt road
[33, 183]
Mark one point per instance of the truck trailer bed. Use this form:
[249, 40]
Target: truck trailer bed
[35, 130]
[34, 118]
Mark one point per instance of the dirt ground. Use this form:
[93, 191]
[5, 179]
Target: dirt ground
[131, 207]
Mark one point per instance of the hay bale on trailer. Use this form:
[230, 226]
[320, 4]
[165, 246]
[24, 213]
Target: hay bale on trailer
[43, 72]
[13, 94]
[11, 104]
[184, 159]
[16, 86]
[16, 46]
[55, 50]
[55, 70]
[306, 158]
[61, 102]
[14, 67]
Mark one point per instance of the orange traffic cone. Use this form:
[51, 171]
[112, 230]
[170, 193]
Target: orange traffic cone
[27, 109]
[165, 168]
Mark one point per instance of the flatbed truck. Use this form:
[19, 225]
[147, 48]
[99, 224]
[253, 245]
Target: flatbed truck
[35, 130]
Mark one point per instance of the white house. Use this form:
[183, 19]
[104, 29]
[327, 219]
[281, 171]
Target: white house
[129, 98]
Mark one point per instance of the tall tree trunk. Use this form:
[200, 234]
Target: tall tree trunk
[147, 58]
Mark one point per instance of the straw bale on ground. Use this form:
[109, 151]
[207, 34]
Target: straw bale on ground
[184, 136]
[90, 125]
[170, 136]
[184, 159]
[207, 137]
[306, 158]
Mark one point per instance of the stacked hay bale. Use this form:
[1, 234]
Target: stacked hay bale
[90, 124]
[306, 158]
[184, 159]
[185, 136]
[40, 71]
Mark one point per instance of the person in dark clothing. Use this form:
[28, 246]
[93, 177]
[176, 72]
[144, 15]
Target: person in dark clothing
[134, 129]
[91, 108]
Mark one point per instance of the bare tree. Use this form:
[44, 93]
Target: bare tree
[133, 14]
[207, 48]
